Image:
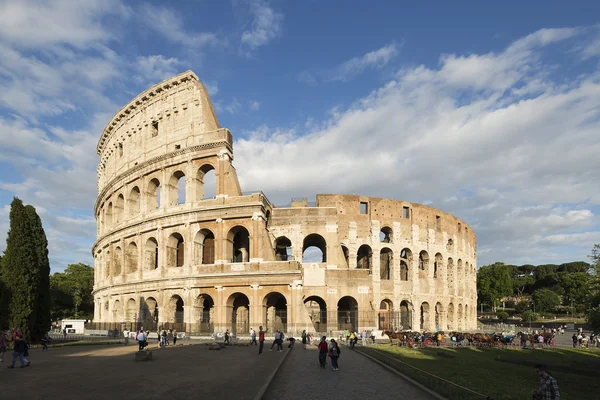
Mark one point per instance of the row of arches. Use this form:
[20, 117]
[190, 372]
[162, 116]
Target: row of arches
[430, 318]
[238, 241]
[148, 196]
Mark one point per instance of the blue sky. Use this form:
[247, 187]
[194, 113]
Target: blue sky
[488, 111]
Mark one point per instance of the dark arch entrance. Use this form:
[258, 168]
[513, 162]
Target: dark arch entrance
[406, 315]
[275, 307]
[317, 311]
[348, 313]
[204, 309]
[238, 307]
[386, 315]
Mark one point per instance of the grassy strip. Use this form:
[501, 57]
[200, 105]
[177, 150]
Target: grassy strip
[478, 370]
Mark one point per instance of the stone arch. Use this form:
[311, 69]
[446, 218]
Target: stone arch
[347, 308]
[425, 316]
[131, 311]
[283, 249]
[151, 254]
[119, 209]
[439, 316]
[437, 265]
[406, 259]
[405, 315]
[275, 312]
[346, 254]
[450, 318]
[177, 188]
[386, 262]
[386, 315]
[364, 257]
[109, 215]
[131, 258]
[238, 307]
[317, 311]
[150, 316]
[423, 264]
[117, 311]
[133, 201]
[310, 244]
[466, 316]
[118, 258]
[204, 247]
[175, 310]
[204, 307]
[450, 273]
[386, 235]
[460, 322]
[450, 246]
[175, 250]
[206, 184]
[460, 277]
[153, 195]
[239, 244]
[107, 264]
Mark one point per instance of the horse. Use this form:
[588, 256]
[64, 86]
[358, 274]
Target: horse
[394, 335]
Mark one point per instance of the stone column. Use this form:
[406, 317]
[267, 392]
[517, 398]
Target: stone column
[220, 310]
[258, 229]
[255, 308]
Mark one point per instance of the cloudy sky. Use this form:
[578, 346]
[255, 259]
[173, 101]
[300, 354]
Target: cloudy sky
[488, 111]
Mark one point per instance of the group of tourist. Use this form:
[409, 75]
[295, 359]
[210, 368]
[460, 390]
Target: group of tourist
[20, 347]
[351, 337]
[164, 337]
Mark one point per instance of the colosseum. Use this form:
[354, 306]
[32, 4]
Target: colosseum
[173, 252]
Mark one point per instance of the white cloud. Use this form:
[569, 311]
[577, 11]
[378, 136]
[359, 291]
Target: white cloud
[254, 105]
[373, 59]
[156, 68]
[212, 87]
[265, 26]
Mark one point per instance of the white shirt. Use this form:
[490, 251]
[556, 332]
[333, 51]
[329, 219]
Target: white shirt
[277, 336]
[141, 337]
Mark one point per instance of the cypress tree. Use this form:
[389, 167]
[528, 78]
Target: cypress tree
[42, 322]
[4, 296]
[18, 270]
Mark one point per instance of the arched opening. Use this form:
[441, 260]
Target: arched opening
[386, 257]
[466, 323]
[177, 187]
[460, 277]
[346, 254]
[239, 244]
[450, 320]
[151, 254]
[204, 313]
[204, 247]
[425, 318]
[133, 201]
[437, 264]
[238, 307]
[175, 312]
[348, 313]
[275, 308]
[423, 263]
[153, 195]
[119, 209]
[405, 260]
[386, 316]
[150, 315]
[206, 182]
[450, 246]
[175, 251]
[117, 311]
[386, 235]
[109, 215]
[314, 249]
[131, 259]
[364, 257]
[283, 249]
[438, 316]
[107, 264]
[118, 258]
[405, 315]
[450, 273]
[317, 311]
[131, 311]
[460, 323]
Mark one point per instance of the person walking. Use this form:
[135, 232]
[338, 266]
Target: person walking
[373, 335]
[280, 341]
[334, 354]
[323, 350]
[352, 339]
[174, 337]
[45, 340]
[261, 339]
[363, 337]
[19, 349]
[276, 341]
[252, 336]
[141, 338]
[163, 338]
[227, 336]
[548, 389]
[304, 338]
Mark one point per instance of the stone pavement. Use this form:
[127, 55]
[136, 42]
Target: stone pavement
[300, 377]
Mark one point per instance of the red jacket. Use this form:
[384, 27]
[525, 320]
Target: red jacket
[323, 348]
[261, 336]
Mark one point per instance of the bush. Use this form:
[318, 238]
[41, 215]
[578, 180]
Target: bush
[522, 306]
[502, 316]
[529, 316]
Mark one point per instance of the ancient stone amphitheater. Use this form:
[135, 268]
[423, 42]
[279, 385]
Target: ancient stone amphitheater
[173, 252]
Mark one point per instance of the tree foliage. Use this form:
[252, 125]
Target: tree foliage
[493, 283]
[72, 292]
[545, 300]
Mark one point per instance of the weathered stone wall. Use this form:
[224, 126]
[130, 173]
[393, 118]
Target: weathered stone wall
[165, 249]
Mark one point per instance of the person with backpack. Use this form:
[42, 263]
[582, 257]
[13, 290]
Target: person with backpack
[323, 350]
[141, 338]
[304, 339]
[334, 354]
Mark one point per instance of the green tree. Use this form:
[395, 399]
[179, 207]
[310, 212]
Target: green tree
[522, 306]
[72, 292]
[545, 300]
[577, 288]
[493, 283]
[42, 273]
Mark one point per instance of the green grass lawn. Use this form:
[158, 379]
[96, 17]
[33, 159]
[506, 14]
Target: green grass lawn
[480, 370]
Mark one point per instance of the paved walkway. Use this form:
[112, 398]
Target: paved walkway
[300, 377]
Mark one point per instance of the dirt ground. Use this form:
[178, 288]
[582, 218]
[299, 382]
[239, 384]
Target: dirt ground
[92, 372]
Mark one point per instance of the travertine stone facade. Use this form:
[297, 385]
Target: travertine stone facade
[167, 254]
